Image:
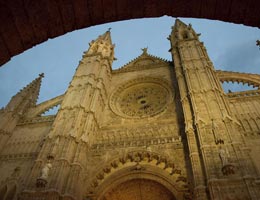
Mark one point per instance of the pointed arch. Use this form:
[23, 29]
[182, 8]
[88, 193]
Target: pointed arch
[145, 164]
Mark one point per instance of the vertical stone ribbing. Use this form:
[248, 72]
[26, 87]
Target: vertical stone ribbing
[194, 152]
[17, 108]
[204, 103]
[79, 116]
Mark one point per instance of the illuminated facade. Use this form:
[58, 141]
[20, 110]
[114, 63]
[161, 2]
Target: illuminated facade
[152, 129]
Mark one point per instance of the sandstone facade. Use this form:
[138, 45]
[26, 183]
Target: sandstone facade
[153, 129]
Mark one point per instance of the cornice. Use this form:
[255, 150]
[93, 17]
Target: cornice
[19, 156]
[41, 119]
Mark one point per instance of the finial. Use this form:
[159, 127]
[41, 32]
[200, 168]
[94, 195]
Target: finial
[145, 50]
[109, 29]
[41, 75]
[258, 43]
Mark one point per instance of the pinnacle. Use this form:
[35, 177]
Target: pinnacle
[32, 89]
[105, 37]
[178, 23]
[27, 96]
[144, 51]
[41, 75]
[102, 45]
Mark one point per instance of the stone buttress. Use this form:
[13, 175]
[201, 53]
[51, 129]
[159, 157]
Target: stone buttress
[219, 157]
[74, 127]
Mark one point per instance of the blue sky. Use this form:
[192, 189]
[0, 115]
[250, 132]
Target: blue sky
[230, 47]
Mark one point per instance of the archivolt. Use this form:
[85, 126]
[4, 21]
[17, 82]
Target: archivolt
[146, 163]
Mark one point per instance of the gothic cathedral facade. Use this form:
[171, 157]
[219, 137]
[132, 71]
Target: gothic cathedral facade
[152, 129]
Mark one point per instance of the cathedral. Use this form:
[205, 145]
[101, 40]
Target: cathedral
[152, 129]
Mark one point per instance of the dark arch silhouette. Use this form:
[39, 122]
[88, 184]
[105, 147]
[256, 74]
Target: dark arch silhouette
[3, 192]
[11, 193]
[26, 23]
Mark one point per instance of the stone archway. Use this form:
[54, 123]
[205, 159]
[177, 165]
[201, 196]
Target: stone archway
[27, 23]
[137, 167]
[139, 189]
[127, 180]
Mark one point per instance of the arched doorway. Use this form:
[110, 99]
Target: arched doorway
[139, 189]
[137, 173]
[145, 183]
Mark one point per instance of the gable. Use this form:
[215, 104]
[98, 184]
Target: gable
[144, 61]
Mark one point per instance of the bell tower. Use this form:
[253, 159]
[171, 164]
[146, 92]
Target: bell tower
[217, 151]
[59, 168]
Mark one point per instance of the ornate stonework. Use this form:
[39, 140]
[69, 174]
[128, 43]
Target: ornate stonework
[141, 98]
[139, 189]
[153, 129]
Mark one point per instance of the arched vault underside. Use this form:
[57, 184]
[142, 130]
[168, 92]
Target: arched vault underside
[26, 23]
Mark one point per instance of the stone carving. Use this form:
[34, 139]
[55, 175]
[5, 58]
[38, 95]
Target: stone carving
[138, 161]
[96, 147]
[227, 167]
[145, 98]
[42, 181]
[223, 154]
[46, 170]
[111, 130]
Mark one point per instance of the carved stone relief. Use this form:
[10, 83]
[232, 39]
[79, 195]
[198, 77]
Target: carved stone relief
[141, 98]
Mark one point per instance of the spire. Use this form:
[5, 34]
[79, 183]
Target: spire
[103, 46]
[26, 97]
[106, 37]
[179, 24]
[181, 31]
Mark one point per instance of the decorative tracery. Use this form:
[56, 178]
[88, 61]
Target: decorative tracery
[138, 159]
[141, 98]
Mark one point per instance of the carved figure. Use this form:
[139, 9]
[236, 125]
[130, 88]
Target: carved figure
[46, 170]
[223, 156]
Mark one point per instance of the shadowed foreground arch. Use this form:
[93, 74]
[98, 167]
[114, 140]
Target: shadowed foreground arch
[26, 23]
